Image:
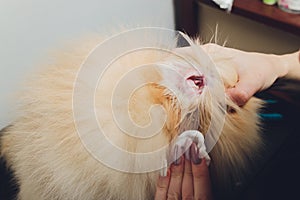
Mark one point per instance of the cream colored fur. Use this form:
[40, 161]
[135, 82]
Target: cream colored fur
[49, 161]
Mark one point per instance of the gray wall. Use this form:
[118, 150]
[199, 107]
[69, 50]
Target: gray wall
[29, 29]
[243, 33]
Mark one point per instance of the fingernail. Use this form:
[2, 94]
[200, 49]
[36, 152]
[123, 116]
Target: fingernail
[178, 159]
[195, 154]
[187, 154]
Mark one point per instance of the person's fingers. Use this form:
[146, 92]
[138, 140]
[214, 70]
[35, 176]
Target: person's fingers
[241, 93]
[187, 182]
[162, 187]
[175, 185]
[245, 88]
[240, 97]
[201, 179]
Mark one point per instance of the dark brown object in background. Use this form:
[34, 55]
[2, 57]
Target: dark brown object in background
[186, 16]
[266, 14]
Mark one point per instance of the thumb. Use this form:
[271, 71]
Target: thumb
[243, 90]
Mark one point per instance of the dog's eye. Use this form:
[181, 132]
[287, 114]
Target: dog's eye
[230, 110]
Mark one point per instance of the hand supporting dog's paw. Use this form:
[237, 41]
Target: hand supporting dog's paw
[188, 176]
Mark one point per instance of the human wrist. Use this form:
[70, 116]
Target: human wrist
[280, 64]
[291, 65]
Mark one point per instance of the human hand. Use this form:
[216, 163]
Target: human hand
[256, 71]
[188, 179]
